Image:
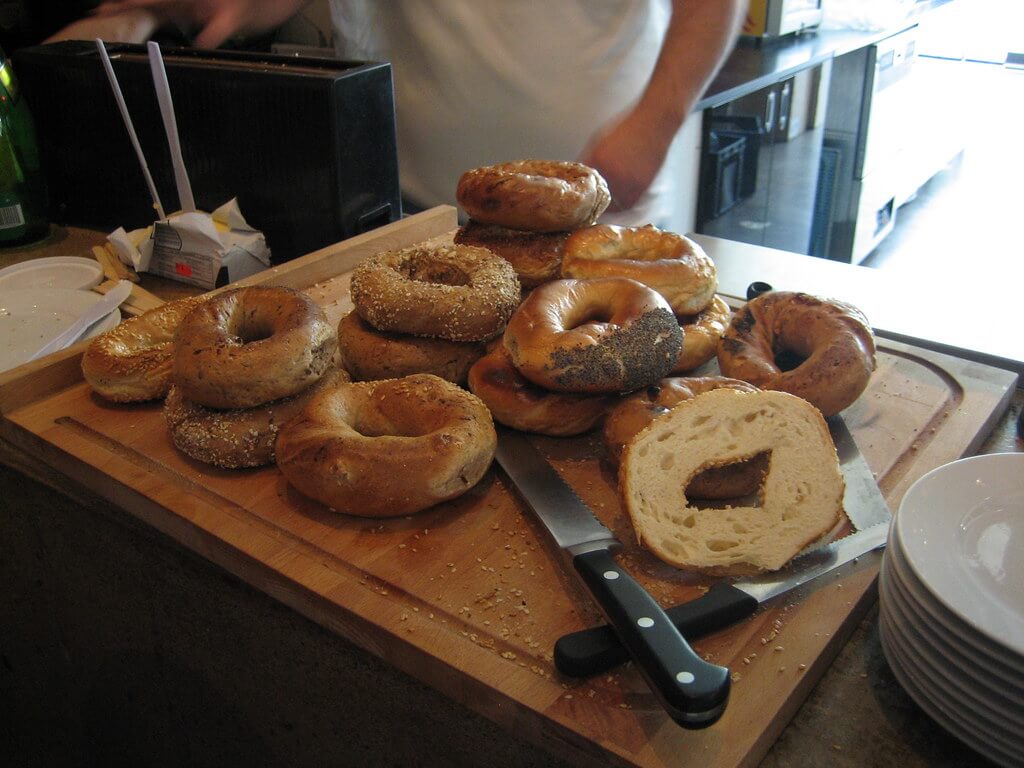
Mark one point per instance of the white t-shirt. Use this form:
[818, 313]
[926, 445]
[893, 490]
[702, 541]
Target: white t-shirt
[485, 81]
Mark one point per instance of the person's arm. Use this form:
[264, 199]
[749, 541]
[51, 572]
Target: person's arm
[219, 19]
[630, 151]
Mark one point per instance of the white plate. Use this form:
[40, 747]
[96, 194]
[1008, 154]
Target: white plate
[30, 318]
[71, 272]
[967, 683]
[961, 530]
[974, 737]
[934, 613]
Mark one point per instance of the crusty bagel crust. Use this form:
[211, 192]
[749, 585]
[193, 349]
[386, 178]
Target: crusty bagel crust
[132, 362]
[636, 412]
[243, 437]
[388, 448]
[369, 354]
[453, 292]
[248, 346]
[833, 339]
[535, 256]
[517, 402]
[673, 265]
[701, 333]
[534, 195]
[611, 335]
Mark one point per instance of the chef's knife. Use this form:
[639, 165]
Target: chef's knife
[691, 690]
[110, 301]
[591, 651]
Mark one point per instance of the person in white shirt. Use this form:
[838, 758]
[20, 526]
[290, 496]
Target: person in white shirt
[606, 82]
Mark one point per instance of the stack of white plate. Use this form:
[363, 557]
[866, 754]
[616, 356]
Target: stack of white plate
[951, 596]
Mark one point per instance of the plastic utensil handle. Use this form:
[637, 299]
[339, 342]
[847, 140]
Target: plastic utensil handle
[693, 692]
[592, 651]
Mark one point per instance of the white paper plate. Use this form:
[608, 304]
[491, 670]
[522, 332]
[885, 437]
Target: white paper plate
[71, 272]
[961, 531]
[30, 318]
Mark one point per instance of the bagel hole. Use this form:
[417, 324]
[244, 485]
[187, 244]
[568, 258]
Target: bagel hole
[248, 329]
[442, 274]
[787, 359]
[745, 490]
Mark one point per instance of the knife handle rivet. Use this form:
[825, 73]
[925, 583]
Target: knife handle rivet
[611, 575]
[685, 677]
[645, 622]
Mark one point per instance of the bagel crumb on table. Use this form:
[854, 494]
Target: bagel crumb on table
[368, 353]
[534, 195]
[453, 292]
[801, 497]
[249, 346]
[673, 265]
[822, 350]
[610, 335]
[238, 438]
[517, 402]
[132, 362]
[388, 448]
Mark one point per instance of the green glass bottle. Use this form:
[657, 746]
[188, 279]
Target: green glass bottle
[23, 197]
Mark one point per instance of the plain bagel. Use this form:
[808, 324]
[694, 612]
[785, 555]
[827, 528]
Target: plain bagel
[534, 195]
[535, 256]
[132, 362]
[673, 265]
[248, 346]
[388, 448]
[611, 335]
[819, 349]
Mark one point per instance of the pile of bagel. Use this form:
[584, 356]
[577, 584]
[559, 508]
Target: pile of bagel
[541, 319]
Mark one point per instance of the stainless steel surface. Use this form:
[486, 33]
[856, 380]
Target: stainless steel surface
[816, 563]
[570, 521]
[863, 501]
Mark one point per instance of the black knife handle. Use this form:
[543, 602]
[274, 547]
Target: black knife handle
[592, 651]
[693, 692]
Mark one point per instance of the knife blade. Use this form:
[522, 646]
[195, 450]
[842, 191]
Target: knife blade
[591, 651]
[692, 691]
[110, 301]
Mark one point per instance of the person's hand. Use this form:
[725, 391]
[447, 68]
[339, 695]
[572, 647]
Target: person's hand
[135, 26]
[219, 19]
[628, 153]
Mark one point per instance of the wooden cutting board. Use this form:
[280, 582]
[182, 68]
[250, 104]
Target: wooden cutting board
[470, 596]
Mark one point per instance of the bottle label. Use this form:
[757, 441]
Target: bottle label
[11, 216]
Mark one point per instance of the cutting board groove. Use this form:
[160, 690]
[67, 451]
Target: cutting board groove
[470, 596]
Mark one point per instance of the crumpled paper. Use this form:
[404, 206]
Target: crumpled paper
[208, 250]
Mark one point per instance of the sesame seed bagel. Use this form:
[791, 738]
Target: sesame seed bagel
[610, 335]
[242, 437]
[453, 292]
[388, 448]
[248, 346]
[132, 362]
[534, 195]
[701, 333]
[673, 265]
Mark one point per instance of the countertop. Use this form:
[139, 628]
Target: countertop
[857, 715]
